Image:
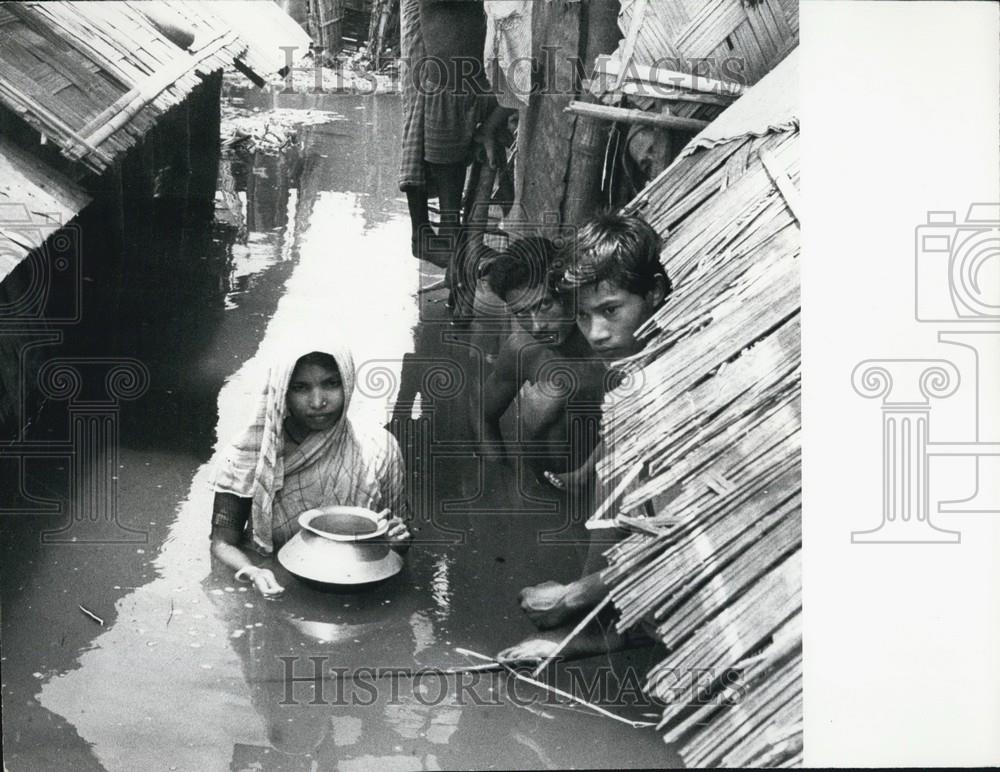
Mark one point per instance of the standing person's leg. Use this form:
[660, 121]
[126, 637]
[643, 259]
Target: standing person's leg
[420, 227]
[413, 172]
[450, 179]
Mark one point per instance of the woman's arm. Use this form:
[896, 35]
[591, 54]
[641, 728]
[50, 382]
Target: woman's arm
[229, 517]
[392, 489]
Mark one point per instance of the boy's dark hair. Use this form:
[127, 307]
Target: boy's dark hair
[526, 262]
[622, 249]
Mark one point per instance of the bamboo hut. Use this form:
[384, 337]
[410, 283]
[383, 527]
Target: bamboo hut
[705, 433]
[94, 77]
[102, 106]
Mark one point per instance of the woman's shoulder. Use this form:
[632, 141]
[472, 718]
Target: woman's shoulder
[376, 442]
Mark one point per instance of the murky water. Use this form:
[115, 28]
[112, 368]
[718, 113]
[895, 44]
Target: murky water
[190, 671]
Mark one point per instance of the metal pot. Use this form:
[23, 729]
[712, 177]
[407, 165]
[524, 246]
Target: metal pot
[341, 545]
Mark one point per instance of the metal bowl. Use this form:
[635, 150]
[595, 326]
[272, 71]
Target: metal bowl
[341, 545]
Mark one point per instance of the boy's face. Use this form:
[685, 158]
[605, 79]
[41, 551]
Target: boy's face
[541, 314]
[609, 315]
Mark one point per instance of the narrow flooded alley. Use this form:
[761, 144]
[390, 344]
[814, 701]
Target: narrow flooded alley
[135, 652]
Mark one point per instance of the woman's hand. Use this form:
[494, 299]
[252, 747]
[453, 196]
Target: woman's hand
[263, 581]
[398, 534]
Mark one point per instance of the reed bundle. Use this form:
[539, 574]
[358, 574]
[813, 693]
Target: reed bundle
[709, 411]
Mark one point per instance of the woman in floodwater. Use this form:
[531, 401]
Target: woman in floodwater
[302, 452]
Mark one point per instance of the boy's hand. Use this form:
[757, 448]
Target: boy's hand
[565, 481]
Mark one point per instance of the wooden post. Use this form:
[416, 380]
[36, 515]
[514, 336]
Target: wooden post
[599, 24]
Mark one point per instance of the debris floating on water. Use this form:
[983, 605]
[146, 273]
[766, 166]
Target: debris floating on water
[92, 615]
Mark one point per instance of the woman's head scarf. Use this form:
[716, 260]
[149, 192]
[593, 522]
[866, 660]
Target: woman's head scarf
[254, 466]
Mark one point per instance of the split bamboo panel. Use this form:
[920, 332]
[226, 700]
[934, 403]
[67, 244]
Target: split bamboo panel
[712, 418]
[731, 40]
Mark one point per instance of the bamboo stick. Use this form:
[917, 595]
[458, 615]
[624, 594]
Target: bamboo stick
[572, 634]
[145, 93]
[640, 117]
[560, 692]
[92, 615]
[626, 480]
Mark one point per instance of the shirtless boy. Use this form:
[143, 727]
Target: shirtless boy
[619, 283]
[546, 365]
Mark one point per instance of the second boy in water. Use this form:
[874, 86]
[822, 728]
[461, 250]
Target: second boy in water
[619, 283]
[545, 367]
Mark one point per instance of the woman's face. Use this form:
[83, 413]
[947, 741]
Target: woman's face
[315, 396]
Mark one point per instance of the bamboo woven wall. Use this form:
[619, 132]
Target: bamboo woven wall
[760, 33]
[709, 427]
[708, 38]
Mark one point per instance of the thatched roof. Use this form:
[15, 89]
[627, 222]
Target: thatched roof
[706, 431]
[94, 77]
[734, 41]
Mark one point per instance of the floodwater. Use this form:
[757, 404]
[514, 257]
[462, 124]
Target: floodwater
[190, 671]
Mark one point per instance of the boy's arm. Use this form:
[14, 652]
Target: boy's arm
[500, 389]
[556, 380]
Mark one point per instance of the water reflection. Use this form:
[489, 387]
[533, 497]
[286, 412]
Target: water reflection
[192, 668]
